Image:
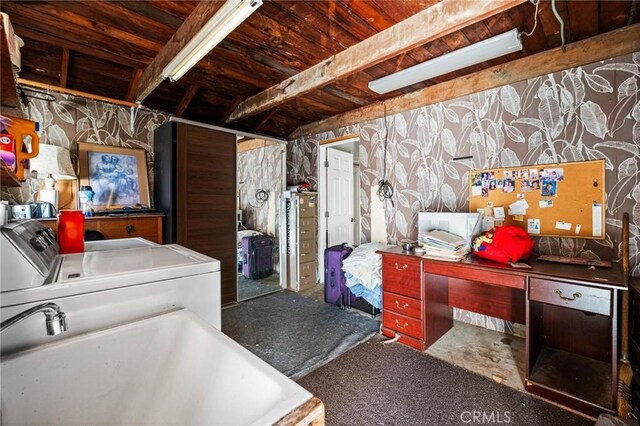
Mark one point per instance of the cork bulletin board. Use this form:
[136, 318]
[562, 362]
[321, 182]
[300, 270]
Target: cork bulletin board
[564, 199]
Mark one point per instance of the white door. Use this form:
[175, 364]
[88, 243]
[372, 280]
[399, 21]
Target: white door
[340, 220]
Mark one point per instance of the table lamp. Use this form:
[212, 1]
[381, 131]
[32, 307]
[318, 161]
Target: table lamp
[52, 163]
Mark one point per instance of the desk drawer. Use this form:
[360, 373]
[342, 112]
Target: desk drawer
[129, 228]
[402, 324]
[474, 274]
[582, 298]
[401, 275]
[402, 305]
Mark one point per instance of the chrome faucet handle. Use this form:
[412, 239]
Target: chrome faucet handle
[56, 320]
[56, 324]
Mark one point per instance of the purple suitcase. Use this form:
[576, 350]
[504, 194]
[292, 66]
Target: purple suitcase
[335, 283]
[257, 257]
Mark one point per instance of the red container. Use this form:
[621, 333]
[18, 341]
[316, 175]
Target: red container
[71, 231]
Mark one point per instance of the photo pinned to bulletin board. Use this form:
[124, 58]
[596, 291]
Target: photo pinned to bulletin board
[564, 199]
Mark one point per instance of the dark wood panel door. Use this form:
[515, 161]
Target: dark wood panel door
[206, 195]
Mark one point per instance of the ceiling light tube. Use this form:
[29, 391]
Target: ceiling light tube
[488, 49]
[230, 15]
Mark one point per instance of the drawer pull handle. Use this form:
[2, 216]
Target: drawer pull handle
[401, 306]
[130, 229]
[401, 326]
[575, 296]
[303, 254]
[303, 232]
[305, 276]
[401, 268]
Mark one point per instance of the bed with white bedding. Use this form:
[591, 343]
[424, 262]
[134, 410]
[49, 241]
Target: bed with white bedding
[363, 271]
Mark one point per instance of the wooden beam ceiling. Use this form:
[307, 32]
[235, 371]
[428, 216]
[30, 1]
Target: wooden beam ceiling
[432, 23]
[133, 84]
[186, 100]
[615, 43]
[152, 75]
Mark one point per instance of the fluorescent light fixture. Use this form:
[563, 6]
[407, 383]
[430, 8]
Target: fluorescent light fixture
[491, 48]
[230, 15]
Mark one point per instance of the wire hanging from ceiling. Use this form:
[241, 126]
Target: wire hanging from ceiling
[385, 190]
[261, 195]
[535, 19]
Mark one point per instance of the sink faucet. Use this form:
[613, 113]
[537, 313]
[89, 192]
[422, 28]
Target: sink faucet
[56, 319]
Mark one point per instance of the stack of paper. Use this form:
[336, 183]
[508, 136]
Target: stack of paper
[443, 245]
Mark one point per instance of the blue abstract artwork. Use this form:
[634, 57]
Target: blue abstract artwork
[114, 178]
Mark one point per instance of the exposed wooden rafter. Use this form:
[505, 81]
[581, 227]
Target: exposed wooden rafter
[186, 100]
[78, 93]
[64, 67]
[133, 84]
[152, 75]
[615, 43]
[436, 21]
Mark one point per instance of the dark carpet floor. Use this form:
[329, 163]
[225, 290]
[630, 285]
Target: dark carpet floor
[248, 289]
[295, 334]
[376, 384]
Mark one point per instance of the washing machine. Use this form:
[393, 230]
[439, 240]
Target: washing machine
[112, 282]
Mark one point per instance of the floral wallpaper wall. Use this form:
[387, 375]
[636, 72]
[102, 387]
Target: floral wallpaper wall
[71, 119]
[584, 113]
[259, 169]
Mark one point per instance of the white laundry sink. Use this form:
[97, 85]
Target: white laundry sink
[172, 368]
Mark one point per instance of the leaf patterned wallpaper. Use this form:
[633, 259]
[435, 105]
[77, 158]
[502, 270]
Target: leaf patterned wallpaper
[584, 113]
[70, 120]
[259, 169]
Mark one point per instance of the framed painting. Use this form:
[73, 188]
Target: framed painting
[118, 176]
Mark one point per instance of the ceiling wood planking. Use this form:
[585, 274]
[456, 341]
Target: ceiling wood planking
[68, 32]
[116, 16]
[41, 62]
[441, 19]
[64, 67]
[52, 40]
[583, 18]
[147, 10]
[79, 24]
[613, 14]
[152, 75]
[616, 43]
[186, 100]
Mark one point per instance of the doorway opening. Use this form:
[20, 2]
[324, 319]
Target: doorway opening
[339, 195]
[261, 180]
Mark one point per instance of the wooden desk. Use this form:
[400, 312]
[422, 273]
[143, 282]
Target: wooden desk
[148, 226]
[570, 313]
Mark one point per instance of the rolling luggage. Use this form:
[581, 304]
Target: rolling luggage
[257, 257]
[335, 287]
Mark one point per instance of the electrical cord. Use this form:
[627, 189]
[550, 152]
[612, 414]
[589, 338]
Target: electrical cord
[261, 196]
[535, 19]
[385, 190]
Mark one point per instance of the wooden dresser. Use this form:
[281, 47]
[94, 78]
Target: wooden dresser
[570, 313]
[147, 226]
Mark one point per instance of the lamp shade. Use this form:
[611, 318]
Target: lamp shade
[53, 160]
